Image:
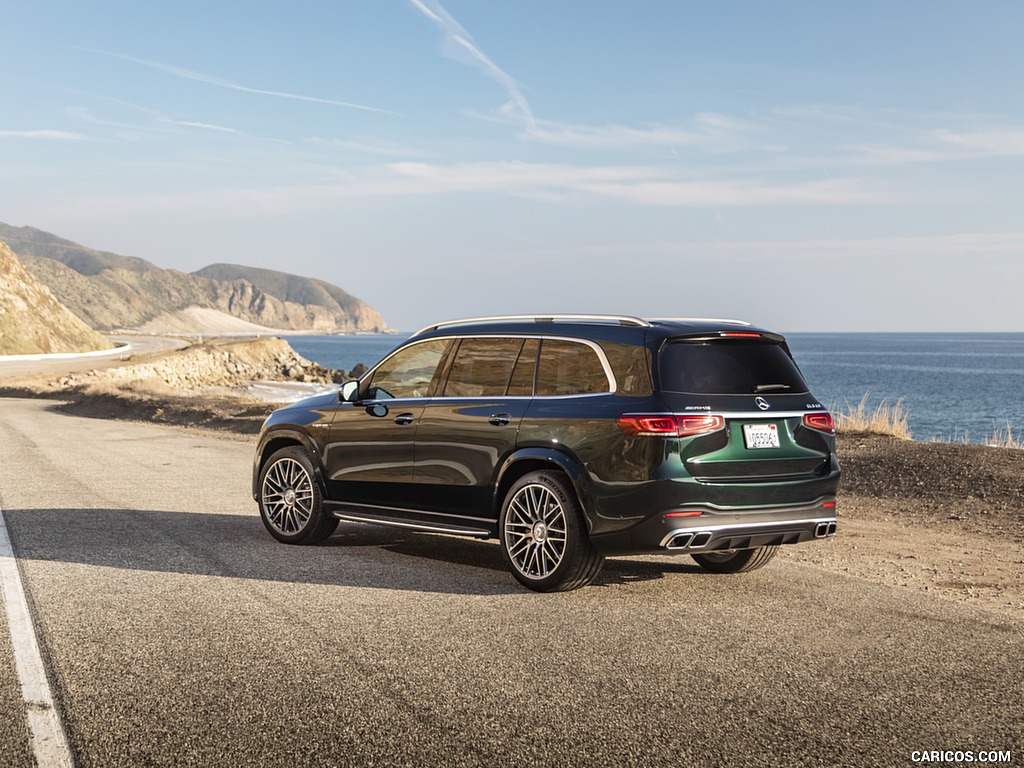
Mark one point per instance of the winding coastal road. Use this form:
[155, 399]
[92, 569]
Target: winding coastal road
[14, 366]
[175, 631]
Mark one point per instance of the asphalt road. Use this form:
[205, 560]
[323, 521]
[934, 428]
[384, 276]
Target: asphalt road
[56, 365]
[177, 632]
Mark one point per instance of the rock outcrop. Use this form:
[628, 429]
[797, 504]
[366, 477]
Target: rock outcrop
[32, 320]
[217, 364]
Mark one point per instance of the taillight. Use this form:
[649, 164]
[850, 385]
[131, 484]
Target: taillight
[739, 335]
[671, 425]
[821, 421]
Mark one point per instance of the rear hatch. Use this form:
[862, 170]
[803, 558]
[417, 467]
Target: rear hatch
[765, 425]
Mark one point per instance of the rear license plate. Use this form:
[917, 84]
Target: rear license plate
[761, 435]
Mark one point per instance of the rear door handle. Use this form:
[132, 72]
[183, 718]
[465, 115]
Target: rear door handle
[500, 419]
[404, 418]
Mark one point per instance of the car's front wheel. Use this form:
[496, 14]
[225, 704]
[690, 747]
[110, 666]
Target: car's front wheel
[543, 535]
[735, 560]
[290, 501]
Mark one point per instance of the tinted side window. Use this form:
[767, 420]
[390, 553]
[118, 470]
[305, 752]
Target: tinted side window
[409, 372]
[482, 367]
[569, 368]
[632, 368]
[728, 368]
[526, 366]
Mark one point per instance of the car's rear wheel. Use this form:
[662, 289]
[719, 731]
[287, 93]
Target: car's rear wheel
[543, 535]
[290, 500]
[735, 560]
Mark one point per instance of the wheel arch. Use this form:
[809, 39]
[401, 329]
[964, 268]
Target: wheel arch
[526, 460]
[274, 441]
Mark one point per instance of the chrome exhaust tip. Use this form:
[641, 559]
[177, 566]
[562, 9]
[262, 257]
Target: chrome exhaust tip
[680, 541]
[825, 529]
[701, 539]
[689, 540]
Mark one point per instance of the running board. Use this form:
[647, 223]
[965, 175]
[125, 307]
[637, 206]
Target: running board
[394, 522]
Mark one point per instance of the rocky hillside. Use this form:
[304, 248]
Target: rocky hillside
[109, 291]
[219, 363]
[280, 300]
[32, 320]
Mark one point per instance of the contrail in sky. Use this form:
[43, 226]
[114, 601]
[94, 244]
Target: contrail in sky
[461, 45]
[220, 83]
[42, 134]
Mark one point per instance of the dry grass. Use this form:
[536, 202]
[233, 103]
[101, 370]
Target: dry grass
[885, 419]
[1004, 438]
[893, 419]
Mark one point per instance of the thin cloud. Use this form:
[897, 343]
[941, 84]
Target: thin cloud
[652, 186]
[998, 142]
[42, 134]
[946, 145]
[208, 127]
[635, 185]
[709, 131]
[460, 46]
[188, 74]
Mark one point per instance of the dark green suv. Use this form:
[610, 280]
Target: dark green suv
[568, 438]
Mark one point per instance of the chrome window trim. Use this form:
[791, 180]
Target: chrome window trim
[601, 356]
[368, 375]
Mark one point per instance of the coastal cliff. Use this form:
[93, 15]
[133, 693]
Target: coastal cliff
[32, 320]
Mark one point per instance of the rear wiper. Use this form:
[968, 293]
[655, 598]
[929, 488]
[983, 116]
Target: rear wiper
[770, 387]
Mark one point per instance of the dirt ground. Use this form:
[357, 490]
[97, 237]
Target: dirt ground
[945, 519]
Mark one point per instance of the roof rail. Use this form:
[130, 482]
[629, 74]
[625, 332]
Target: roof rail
[610, 319]
[696, 320]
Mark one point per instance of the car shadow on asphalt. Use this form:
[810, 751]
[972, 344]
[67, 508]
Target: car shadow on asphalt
[238, 546]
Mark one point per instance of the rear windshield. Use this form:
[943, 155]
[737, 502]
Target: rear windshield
[728, 367]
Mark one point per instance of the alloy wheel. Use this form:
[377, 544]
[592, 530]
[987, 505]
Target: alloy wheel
[287, 496]
[535, 531]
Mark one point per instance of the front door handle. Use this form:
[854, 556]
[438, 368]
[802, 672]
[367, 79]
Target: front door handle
[500, 419]
[404, 418]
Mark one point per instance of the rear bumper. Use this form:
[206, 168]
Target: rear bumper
[718, 529]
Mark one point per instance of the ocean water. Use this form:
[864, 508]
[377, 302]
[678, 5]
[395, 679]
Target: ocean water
[955, 386]
[343, 353]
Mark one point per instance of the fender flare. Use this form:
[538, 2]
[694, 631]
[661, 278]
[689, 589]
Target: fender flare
[294, 436]
[567, 462]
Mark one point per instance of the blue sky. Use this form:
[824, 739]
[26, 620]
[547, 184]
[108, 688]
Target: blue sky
[805, 165]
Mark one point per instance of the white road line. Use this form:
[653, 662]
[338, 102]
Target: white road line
[49, 742]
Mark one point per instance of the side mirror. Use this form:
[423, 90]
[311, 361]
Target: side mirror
[349, 392]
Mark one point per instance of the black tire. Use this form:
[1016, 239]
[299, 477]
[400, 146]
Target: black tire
[735, 560]
[544, 537]
[290, 500]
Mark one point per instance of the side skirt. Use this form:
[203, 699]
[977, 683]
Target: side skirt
[397, 518]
